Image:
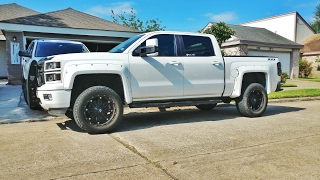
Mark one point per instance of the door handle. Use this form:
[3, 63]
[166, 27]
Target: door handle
[216, 63]
[175, 63]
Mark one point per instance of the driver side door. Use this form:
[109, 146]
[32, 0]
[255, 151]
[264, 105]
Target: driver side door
[157, 77]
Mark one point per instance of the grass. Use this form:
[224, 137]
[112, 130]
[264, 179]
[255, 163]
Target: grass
[294, 93]
[289, 85]
[310, 79]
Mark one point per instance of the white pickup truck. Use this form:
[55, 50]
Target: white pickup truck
[156, 69]
[38, 50]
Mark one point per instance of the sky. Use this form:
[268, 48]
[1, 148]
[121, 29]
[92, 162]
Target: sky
[179, 15]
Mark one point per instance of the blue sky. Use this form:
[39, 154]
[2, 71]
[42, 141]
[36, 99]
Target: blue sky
[181, 15]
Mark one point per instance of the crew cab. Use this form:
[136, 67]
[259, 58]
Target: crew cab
[155, 69]
[38, 50]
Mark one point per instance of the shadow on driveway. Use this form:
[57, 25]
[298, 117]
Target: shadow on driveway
[144, 120]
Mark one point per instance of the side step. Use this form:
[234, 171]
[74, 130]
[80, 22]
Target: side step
[170, 104]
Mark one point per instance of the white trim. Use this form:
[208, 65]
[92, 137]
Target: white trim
[55, 30]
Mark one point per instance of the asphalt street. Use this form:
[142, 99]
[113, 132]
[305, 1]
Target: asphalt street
[182, 143]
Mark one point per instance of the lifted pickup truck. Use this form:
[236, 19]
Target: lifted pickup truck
[38, 50]
[156, 69]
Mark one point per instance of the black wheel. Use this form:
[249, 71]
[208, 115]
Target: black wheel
[98, 109]
[206, 107]
[253, 100]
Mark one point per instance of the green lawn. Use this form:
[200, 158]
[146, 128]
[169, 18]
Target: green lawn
[295, 93]
[310, 79]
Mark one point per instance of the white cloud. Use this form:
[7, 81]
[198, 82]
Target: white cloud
[119, 7]
[223, 17]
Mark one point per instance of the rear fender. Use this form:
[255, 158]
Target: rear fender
[250, 69]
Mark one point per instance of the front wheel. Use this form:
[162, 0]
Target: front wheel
[98, 109]
[253, 100]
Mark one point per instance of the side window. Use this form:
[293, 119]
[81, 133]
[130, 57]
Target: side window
[197, 46]
[166, 45]
[30, 48]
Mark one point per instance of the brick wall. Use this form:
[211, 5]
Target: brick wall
[14, 70]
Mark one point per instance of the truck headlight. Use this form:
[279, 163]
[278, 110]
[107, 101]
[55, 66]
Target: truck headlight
[53, 77]
[52, 65]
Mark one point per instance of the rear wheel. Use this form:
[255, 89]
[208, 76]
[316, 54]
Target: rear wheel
[206, 107]
[98, 109]
[253, 100]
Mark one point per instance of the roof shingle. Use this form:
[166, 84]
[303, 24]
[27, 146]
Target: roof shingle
[312, 44]
[262, 35]
[70, 18]
[11, 11]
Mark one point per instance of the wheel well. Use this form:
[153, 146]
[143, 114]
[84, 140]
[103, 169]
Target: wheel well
[257, 77]
[85, 81]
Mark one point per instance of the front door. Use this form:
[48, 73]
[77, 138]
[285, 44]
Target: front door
[160, 76]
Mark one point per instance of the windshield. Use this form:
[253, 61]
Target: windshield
[53, 48]
[124, 45]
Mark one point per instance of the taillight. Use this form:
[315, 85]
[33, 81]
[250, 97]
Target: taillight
[279, 68]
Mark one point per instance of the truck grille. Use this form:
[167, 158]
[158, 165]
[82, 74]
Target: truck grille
[40, 73]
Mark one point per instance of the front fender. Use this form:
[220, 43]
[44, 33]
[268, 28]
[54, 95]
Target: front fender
[72, 70]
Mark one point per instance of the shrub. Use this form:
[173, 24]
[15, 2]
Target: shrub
[284, 77]
[305, 68]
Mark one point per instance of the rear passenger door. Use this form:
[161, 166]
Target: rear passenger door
[203, 70]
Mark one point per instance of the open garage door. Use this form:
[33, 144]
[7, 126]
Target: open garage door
[284, 58]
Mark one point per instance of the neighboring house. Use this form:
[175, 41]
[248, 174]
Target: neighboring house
[311, 52]
[251, 41]
[96, 33]
[10, 11]
[291, 26]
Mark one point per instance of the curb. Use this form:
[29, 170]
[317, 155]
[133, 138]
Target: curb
[282, 100]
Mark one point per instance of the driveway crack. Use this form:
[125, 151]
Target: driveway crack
[135, 151]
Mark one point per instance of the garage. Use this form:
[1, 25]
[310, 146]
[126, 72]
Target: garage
[99, 35]
[284, 58]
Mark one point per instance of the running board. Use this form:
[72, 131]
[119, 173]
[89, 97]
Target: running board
[170, 104]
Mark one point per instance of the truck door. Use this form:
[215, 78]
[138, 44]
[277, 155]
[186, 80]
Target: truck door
[203, 70]
[160, 76]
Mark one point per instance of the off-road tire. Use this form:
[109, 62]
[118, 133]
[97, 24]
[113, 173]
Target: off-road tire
[253, 100]
[206, 107]
[98, 109]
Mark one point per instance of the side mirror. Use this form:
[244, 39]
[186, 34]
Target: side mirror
[24, 53]
[151, 48]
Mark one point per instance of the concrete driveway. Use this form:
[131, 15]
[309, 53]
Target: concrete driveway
[183, 143]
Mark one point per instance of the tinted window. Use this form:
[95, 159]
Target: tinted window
[53, 48]
[197, 46]
[166, 45]
[30, 48]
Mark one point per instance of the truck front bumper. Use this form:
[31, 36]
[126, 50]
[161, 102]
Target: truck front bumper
[55, 102]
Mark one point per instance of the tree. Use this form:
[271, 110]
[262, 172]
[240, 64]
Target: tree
[131, 20]
[221, 31]
[315, 24]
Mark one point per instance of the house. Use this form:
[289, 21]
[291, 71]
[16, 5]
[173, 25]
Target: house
[252, 41]
[311, 52]
[291, 26]
[6, 12]
[96, 33]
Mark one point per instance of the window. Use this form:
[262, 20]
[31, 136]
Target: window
[124, 45]
[53, 48]
[197, 46]
[166, 45]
